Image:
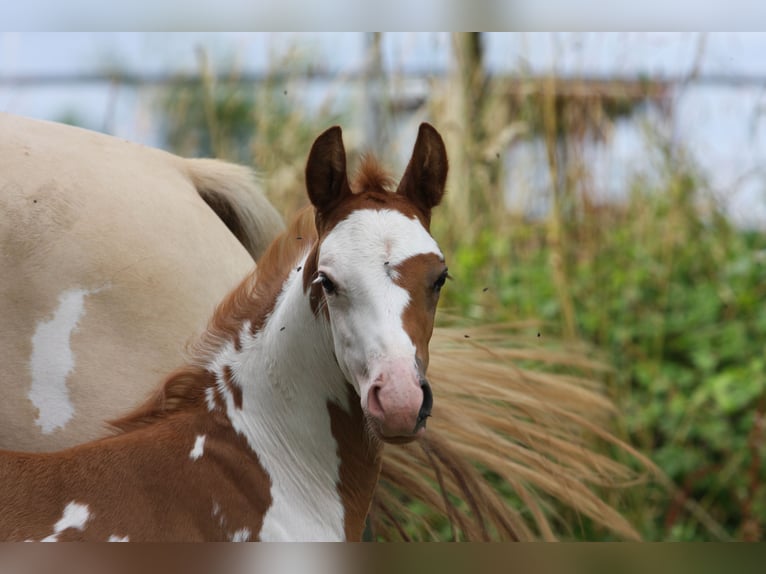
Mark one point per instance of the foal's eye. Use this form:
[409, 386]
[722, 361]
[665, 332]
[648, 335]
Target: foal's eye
[439, 283]
[327, 284]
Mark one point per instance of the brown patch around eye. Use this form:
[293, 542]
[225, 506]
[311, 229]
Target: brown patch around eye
[418, 275]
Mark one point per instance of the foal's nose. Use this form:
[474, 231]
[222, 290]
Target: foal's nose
[425, 407]
[399, 401]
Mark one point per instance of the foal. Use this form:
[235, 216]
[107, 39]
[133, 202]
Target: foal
[274, 429]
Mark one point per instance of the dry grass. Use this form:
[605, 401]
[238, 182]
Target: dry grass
[496, 422]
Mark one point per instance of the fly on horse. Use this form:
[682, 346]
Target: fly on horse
[274, 428]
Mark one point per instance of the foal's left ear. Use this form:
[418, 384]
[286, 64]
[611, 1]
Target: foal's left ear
[426, 174]
[326, 180]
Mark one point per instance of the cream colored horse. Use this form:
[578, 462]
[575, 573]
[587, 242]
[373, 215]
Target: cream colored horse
[112, 261]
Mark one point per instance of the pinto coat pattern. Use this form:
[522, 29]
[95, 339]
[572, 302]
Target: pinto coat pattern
[141, 267]
[274, 429]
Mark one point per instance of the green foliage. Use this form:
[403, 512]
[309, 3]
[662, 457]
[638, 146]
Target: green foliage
[197, 120]
[675, 296]
[265, 124]
[223, 119]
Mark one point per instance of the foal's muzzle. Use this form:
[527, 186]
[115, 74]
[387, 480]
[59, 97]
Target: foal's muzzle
[425, 408]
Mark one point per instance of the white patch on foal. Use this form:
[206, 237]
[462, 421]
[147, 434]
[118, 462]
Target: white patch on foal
[52, 360]
[210, 398]
[241, 535]
[75, 516]
[115, 538]
[286, 383]
[199, 447]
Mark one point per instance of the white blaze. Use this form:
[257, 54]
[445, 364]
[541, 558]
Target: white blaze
[52, 360]
[361, 254]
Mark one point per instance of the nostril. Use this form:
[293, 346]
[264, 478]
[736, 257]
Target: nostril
[374, 404]
[425, 407]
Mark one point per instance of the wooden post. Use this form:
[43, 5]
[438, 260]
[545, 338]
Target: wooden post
[556, 233]
[464, 97]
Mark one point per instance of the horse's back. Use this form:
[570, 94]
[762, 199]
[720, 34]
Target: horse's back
[111, 260]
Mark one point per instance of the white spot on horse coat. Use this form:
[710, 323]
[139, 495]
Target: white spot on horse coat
[210, 398]
[115, 538]
[75, 516]
[218, 515]
[199, 447]
[241, 535]
[278, 410]
[52, 361]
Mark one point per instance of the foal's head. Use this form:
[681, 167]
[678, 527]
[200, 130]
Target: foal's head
[376, 273]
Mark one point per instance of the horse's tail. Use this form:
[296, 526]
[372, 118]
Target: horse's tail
[514, 451]
[233, 192]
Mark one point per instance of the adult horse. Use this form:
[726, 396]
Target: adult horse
[105, 296]
[112, 258]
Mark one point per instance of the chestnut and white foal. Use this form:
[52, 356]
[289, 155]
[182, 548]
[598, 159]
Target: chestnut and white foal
[273, 430]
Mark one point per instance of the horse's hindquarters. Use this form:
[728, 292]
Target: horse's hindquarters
[112, 262]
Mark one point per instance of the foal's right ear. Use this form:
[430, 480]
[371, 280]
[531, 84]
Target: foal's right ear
[426, 174]
[326, 179]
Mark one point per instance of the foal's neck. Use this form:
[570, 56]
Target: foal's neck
[302, 419]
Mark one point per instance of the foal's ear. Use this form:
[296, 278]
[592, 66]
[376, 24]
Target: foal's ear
[326, 179]
[426, 174]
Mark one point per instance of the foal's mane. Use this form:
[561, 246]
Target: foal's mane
[251, 301]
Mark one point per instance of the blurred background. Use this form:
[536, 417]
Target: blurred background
[605, 189]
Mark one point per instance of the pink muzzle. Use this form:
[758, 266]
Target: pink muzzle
[399, 401]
